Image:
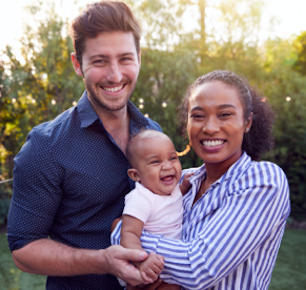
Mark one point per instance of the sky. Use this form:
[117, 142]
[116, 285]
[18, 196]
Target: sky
[290, 17]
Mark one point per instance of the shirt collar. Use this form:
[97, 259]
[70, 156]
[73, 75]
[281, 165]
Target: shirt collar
[88, 115]
[240, 165]
[86, 112]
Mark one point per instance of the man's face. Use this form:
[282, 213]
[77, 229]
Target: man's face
[110, 68]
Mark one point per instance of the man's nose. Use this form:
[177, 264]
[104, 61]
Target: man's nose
[114, 74]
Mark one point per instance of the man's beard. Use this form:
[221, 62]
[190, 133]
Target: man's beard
[104, 105]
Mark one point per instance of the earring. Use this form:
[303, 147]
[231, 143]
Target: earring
[188, 148]
[246, 130]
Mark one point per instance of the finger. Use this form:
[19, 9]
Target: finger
[147, 279]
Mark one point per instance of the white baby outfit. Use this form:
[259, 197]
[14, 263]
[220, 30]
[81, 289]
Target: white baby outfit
[161, 214]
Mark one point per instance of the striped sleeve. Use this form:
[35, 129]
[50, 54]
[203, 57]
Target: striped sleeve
[247, 224]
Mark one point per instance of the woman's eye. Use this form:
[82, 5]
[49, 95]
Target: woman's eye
[225, 114]
[197, 116]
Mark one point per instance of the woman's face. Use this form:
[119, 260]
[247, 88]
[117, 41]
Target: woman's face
[216, 123]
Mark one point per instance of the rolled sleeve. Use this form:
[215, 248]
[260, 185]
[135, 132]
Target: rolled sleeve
[37, 192]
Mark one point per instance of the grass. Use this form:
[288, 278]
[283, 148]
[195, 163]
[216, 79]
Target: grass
[11, 278]
[289, 271]
[290, 267]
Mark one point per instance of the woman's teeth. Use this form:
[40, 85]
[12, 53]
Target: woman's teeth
[212, 143]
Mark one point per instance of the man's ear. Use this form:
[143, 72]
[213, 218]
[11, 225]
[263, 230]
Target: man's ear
[139, 58]
[133, 174]
[76, 64]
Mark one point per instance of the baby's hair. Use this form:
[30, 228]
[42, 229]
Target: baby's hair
[130, 148]
[260, 137]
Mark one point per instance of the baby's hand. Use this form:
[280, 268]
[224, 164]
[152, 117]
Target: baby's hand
[185, 185]
[151, 268]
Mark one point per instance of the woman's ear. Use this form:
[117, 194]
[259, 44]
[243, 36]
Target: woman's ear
[248, 123]
[133, 174]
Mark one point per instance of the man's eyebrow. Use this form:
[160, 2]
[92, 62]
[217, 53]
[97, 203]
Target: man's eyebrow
[107, 57]
[99, 56]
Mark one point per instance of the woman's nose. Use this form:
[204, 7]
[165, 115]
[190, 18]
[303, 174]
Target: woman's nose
[211, 126]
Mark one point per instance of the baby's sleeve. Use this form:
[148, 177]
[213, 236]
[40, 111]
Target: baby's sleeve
[137, 205]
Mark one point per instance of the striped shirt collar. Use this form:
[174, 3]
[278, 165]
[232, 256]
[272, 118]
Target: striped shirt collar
[240, 165]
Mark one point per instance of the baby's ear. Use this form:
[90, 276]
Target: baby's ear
[133, 174]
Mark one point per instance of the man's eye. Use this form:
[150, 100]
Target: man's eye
[99, 61]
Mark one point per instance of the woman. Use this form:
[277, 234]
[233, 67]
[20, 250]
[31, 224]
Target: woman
[235, 212]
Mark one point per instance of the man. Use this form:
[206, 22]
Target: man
[70, 176]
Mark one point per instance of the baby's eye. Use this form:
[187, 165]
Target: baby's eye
[154, 162]
[173, 158]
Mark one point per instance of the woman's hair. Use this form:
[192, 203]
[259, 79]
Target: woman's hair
[259, 139]
[103, 16]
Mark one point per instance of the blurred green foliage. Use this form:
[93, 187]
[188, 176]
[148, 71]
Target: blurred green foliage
[172, 58]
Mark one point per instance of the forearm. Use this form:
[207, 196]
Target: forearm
[48, 257]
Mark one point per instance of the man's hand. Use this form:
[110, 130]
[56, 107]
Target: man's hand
[116, 261]
[151, 268]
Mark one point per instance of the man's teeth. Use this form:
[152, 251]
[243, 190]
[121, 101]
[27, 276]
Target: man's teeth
[113, 89]
[212, 143]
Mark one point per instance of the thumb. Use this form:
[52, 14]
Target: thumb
[135, 255]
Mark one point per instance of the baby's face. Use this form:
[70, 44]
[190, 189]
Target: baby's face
[158, 165]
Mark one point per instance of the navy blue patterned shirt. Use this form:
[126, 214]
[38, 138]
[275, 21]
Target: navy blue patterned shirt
[70, 179]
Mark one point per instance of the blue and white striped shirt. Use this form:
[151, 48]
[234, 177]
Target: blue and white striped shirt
[232, 234]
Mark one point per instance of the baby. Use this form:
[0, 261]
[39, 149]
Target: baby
[155, 204]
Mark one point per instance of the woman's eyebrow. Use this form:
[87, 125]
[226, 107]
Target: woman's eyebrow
[224, 106]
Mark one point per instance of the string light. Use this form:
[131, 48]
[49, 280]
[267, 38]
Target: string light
[184, 152]
[141, 106]
[53, 102]
[33, 101]
[141, 100]
[288, 98]
[164, 104]
[74, 103]
[13, 100]
[146, 115]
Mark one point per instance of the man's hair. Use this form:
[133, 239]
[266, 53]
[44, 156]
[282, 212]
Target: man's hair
[102, 16]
